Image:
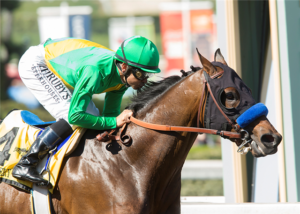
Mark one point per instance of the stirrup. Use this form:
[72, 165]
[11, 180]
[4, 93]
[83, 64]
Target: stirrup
[46, 169]
[45, 184]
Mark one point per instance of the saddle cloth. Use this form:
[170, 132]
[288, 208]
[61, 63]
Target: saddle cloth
[16, 137]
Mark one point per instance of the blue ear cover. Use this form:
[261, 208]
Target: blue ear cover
[251, 114]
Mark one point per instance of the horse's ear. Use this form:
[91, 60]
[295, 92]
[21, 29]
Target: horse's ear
[208, 67]
[219, 57]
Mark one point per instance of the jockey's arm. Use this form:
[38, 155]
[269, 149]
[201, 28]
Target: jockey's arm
[112, 107]
[89, 83]
[112, 102]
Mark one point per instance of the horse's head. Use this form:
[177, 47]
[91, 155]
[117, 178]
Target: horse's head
[231, 107]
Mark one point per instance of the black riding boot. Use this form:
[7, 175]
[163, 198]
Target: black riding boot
[50, 137]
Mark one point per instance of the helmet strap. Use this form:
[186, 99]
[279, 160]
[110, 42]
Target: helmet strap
[126, 73]
[127, 85]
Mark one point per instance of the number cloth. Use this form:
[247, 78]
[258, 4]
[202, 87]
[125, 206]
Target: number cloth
[74, 70]
[16, 137]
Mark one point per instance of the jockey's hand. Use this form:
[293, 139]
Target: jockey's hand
[124, 117]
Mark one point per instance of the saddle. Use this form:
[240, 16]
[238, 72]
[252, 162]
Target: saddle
[33, 120]
[18, 131]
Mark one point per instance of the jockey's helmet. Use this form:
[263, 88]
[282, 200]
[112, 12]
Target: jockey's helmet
[139, 52]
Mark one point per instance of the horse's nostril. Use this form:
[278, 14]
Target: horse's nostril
[267, 138]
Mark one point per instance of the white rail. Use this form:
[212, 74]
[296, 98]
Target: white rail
[202, 169]
[244, 208]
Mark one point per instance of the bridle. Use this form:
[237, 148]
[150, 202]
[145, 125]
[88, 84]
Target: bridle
[239, 134]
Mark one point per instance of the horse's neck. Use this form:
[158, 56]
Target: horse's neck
[177, 107]
[159, 156]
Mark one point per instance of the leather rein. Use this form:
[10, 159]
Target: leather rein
[126, 139]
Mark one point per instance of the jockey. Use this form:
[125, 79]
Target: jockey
[63, 74]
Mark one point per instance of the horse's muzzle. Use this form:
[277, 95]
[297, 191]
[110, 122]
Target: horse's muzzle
[267, 145]
[271, 140]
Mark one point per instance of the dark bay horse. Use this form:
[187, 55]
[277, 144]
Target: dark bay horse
[145, 176]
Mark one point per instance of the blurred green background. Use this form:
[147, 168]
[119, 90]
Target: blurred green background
[19, 31]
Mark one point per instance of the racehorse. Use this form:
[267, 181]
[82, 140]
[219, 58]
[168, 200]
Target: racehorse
[145, 176]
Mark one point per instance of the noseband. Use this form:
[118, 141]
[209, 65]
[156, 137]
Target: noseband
[242, 121]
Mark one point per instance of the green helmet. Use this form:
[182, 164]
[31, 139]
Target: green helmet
[139, 52]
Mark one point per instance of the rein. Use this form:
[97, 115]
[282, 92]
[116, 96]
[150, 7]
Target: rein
[126, 139]
[184, 129]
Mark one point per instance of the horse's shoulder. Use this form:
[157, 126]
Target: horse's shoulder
[90, 134]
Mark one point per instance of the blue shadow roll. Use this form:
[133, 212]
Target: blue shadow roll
[251, 114]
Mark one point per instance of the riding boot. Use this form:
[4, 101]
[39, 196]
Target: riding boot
[50, 137]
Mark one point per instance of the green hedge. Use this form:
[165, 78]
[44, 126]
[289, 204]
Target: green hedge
[205, 152]
[8, 105]
[202, 188]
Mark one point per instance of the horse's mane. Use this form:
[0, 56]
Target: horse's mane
[153, 89]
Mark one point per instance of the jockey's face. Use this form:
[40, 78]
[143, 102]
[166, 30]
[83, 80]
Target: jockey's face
[131, 79]
[135, 83]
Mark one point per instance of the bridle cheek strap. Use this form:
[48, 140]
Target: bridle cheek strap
[200, 104]
[205, 83]
[214, 99]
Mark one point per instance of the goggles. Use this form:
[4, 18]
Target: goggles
[139, 74]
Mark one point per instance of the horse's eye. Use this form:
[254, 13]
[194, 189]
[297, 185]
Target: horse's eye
[230, 96]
